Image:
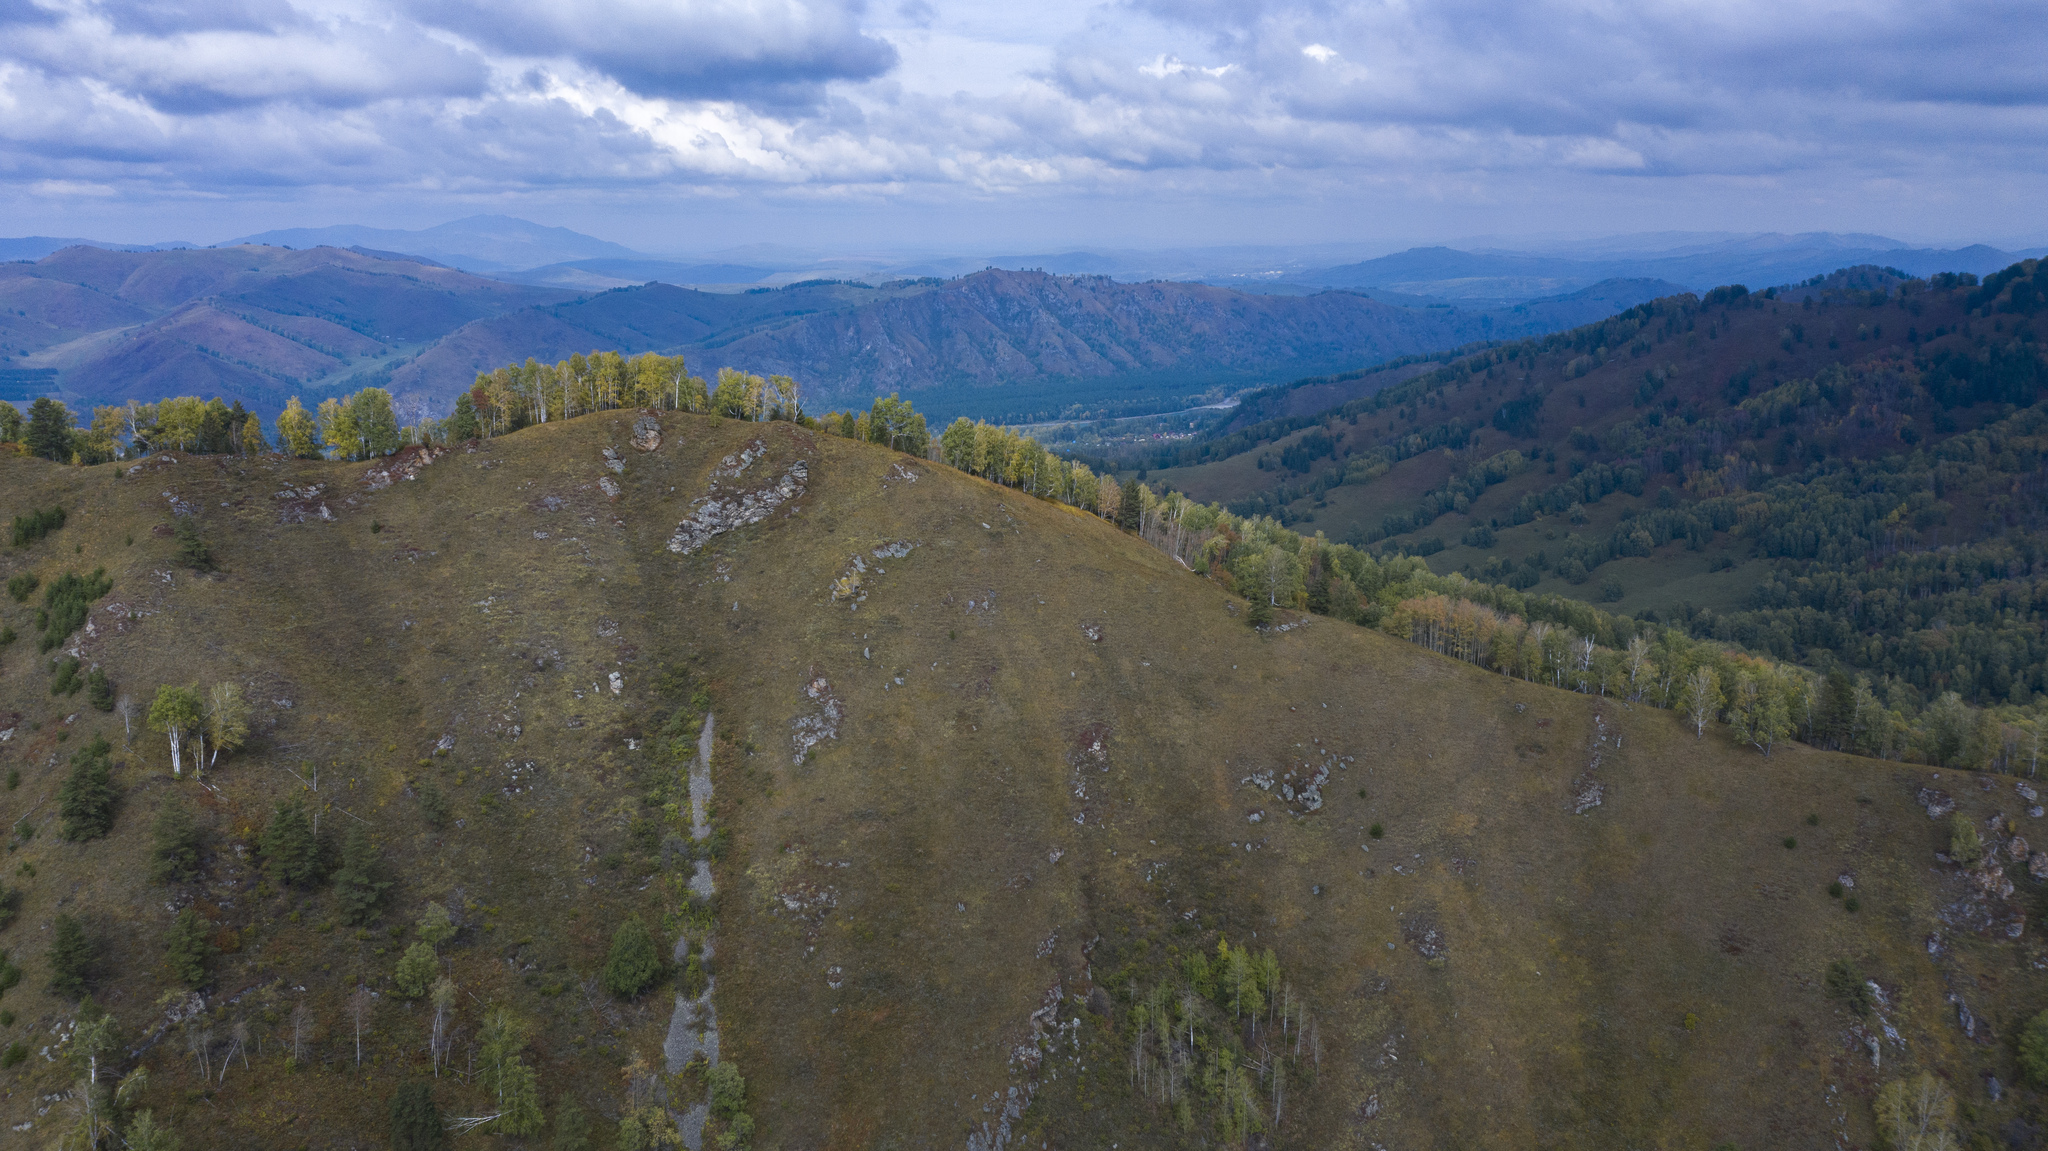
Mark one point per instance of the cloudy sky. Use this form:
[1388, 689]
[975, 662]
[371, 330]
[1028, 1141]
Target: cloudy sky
[691, 125]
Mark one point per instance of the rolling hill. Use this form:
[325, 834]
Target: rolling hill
[1306, 887]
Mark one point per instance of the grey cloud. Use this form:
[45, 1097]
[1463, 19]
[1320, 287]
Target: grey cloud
[201, 58]
[22, 13]
[1555, 64]
[782, 51]
[166, 19]
[1445, 99]
[1654, 87]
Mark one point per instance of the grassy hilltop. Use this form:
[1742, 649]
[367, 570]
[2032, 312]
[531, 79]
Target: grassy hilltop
[1049, 773]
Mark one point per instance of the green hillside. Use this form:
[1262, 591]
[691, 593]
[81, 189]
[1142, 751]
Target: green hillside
[1020, 836]
[1848, 472]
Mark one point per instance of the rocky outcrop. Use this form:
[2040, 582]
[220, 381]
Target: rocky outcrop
[808, 731]
[647, 431]
[404, 465]
[718, 514]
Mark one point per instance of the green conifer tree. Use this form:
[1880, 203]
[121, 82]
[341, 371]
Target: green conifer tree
[572, 1127]
[174, 844]
[435, 927]
[633, 962]
[1130, 507]
[86, 800]
[289, 849]
[464, 425]
[359, 884]
[72, 957]
[49, 430]
[415, 1119]
[416, 970]
[100, 690]
[188, 946]
[193, 550]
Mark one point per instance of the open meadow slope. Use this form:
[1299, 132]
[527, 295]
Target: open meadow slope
[1020, 836]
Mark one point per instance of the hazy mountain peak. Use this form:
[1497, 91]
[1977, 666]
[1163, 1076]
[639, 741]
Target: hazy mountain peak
[483, 243]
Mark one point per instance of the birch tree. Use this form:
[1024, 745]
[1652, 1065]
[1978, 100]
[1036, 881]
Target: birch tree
[175, 713]
[302, 1034]
[1702, 699]
[507, 1077]
[238, 1044]
[787, 390]
[93, 1042]
[444, 1014]
[227, 718]
[297, 433]
[360, 1004]
[1915, 1114]
[1637, 659]
[338, 426]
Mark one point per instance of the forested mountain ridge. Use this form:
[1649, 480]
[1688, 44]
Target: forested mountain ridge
[254, 324]
[257, 325]
[1850, 470]
[1018, 346]
[1307, 886]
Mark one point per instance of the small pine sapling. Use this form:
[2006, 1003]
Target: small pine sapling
[72, 958]
[86, 800]
[359, 884]
[633, 962]
[174, 844]
[187, 948]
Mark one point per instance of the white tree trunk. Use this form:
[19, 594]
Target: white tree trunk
[177, 765]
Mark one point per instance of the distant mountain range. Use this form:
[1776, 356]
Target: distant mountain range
[1482, 272]
[1004, 345]
[1759, 261]
[36, 247]
[317, 311]
[247, 323]
[479, 244]
[261, 323]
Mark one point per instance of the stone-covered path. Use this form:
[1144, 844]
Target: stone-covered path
[694, 1026]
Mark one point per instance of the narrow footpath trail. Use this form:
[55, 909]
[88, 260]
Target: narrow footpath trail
[694, 1026]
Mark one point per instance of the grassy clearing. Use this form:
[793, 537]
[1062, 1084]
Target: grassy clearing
[1034, 804]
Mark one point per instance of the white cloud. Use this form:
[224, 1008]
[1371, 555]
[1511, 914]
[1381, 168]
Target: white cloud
[1166, 66]
[1280, 99]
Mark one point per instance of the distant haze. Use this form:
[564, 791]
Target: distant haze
[1020, 337]
[959, 128]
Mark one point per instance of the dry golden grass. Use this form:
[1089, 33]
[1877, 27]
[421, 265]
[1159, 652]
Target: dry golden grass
[1646, 974]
